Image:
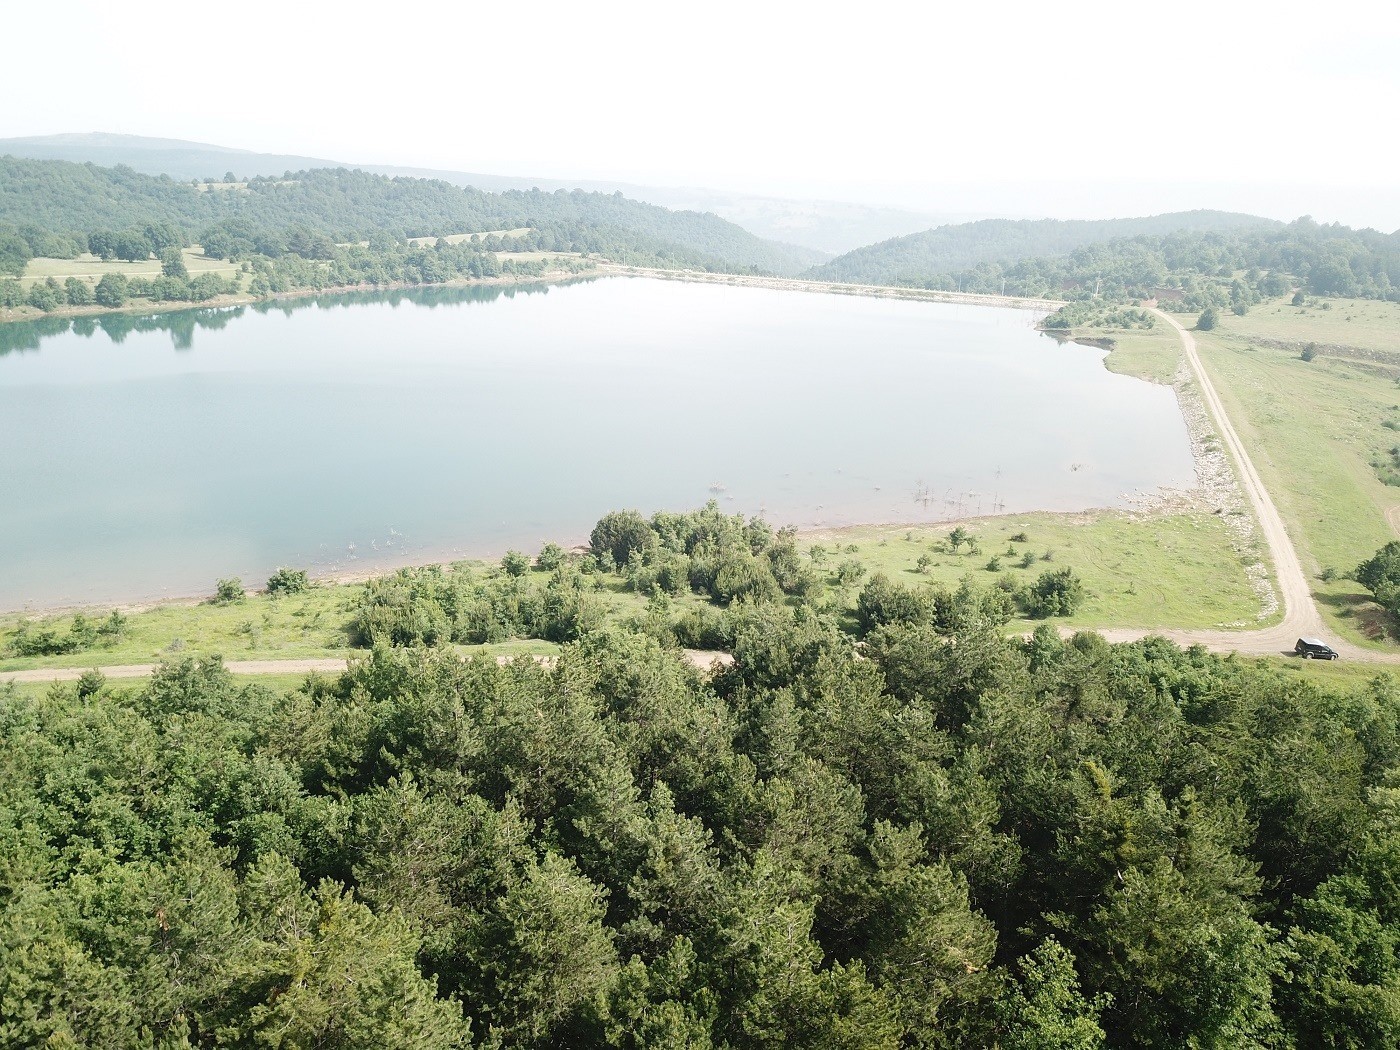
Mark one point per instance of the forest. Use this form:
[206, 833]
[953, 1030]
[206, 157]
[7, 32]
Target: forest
[1201, 260]
[52, 208]
[960, 247]
[895, 829]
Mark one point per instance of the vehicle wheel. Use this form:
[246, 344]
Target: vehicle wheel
[1334, 656]
[1307, 656]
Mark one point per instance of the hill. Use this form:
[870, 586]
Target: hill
[830, 227]
[913, 258]
[70, 200]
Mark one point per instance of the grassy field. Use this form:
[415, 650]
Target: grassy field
[1173, 570]
[458, 238]
[1153, 354]
[94, 269]
[1313, 429]
[1367, 324]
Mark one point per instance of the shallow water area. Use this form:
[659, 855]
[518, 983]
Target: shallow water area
[147, 457]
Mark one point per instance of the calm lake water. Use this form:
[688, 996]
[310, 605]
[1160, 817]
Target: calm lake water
[149, 456]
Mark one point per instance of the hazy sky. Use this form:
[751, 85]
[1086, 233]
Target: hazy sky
[1031, 108]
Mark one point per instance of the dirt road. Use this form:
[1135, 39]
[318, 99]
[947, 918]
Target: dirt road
[1300, 614]
[703, 659]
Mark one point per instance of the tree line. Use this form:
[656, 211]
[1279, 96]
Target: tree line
[1197, 267]
[899, 829]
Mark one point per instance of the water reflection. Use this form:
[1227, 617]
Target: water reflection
[24, 336]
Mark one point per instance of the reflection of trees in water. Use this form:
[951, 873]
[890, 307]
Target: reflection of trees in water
[21, 336]
[431, 296]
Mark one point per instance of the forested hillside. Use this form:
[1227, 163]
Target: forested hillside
[946, 838]
[56, 205]
[911, 259]
[1225, 268]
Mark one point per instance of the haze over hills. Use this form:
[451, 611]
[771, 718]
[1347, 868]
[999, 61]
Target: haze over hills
[947, 249]
[71, 199]
[831, 227]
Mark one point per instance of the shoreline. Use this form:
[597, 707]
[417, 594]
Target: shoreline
[798, 284]
[225, 302]
[1143, 507]
[601, 268]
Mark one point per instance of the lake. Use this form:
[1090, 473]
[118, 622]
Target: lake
[146, 457]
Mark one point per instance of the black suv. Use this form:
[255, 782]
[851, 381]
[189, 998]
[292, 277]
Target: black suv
[1312, 649]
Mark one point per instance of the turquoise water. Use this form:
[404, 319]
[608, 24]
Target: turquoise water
[148, 457]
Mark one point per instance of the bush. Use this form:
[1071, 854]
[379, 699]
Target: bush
[551, 556]
[515, 563]
[1210, 317]
[882, 601]
[77, 292]
[230, 591]
[849, 571]
[288, 581]
[620, 533]
[1055, 593]
[1309, 352]
[112, 290]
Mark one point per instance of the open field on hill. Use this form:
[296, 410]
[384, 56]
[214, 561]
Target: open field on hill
[1367, 324]
[1314, 429]
[458, 238]
[93, 268]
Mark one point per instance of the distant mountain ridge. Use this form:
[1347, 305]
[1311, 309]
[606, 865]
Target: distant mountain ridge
[830, 227]
[916, 257]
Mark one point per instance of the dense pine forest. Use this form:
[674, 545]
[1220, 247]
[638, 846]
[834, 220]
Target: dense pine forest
[902, 829]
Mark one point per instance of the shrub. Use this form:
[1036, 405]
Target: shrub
[619, 534]
[551, 556]
[1309, 352]
[288, 581]
[882, 601]
[515, 563]
[77, 292]
[228, 592]
[849, 571]
[1055, 593]
[1210, 317]
[1020, 537]
[112, 290]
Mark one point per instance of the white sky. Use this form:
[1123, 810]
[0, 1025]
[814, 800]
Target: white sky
[1026, 108]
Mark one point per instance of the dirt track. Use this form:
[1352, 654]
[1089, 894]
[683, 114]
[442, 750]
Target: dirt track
[1300, 615]
[703, 659]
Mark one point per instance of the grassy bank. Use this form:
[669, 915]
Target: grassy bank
[1150, 571]
[1316, 430]
[1169, 570]
[1153, 354]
